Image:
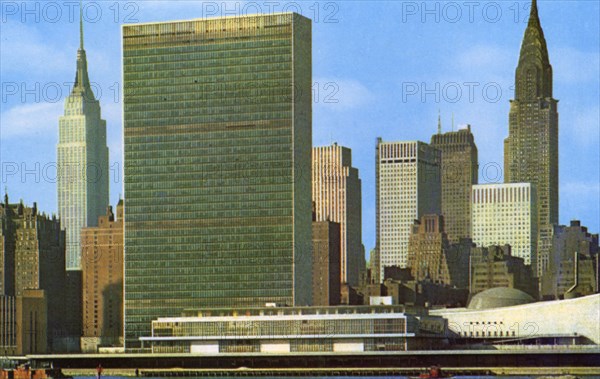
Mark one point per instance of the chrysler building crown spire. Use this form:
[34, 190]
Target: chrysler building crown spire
[534, 72]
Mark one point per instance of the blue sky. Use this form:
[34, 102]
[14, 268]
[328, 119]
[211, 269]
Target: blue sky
[380, 68]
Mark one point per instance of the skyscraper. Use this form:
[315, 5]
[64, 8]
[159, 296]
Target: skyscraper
[408, 187]
[82, 161]
[459, 173]
[506, 214]
[531, 149]
[336, 191]
[218, 135]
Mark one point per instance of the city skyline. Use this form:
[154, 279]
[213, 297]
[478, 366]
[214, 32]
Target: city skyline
[364, 101]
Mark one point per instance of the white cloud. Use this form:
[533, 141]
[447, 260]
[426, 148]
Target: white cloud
[27, 120]
[341, 94]
[189, 9]
[489, 59]
[580, 189]
[585, 131]
[25, 50]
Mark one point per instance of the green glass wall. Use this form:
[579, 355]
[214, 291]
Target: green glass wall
[217, 131]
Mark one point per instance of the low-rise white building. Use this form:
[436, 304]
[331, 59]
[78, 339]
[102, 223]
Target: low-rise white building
[284, 330]
[507, 314]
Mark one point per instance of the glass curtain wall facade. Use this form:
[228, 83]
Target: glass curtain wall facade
[217, 134]
[289, 330]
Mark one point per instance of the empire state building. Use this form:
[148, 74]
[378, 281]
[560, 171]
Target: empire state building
[82, 161]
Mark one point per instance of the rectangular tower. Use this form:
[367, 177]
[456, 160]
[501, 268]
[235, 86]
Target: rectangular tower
[326, 263]
[218, 134]
[506, 214]
[408, 187]
[102, 282]
[336, 191]
[459, 173]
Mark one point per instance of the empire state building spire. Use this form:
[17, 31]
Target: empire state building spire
[82, 80]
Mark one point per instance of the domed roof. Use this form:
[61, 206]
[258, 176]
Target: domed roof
[499, 297]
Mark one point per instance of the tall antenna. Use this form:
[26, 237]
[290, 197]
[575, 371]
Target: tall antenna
[80, 24]
[452, 121]
[439, 122]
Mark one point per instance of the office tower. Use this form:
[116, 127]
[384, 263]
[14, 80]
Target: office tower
[506, 214]
[82, 161]
[494, 266]
[102, 268]
[408, 187]
[459, 173]
[327, 244]
[218, 134]
[531, 149]
[336, 191]
[34, 259]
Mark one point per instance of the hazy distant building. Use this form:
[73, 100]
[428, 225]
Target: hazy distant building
[82, 161]
[374, 272]
[33, 249]
[217, 144]
[336, 191]
[506, 214]
[326, 237]
[23, 323]
[531, 149]
[459, 173]
[427, 248]
[102, 267]
[494, 266]
[408, 186]
[561, 267]
[432, 257]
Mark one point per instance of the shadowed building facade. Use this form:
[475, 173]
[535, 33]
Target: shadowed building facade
[326, 237]
[33, 258]
[217, 140]
[102, 266]
[494, 266]
[574, 254]
[459, 174]
[408, 186]
[427, 248]
[337, 194]
[23, 323]
[531, 149]
[433, 258]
